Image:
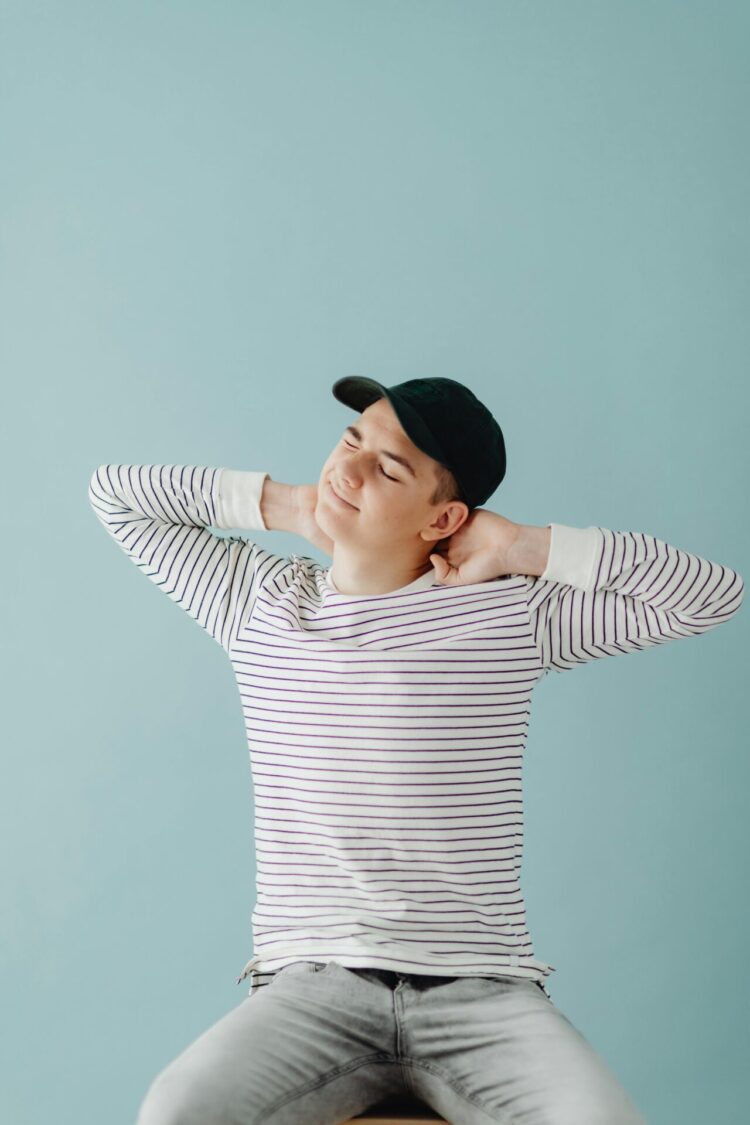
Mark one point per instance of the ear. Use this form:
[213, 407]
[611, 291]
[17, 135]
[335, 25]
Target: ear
[452, 516]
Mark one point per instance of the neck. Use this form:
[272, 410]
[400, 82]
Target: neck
[356, 575]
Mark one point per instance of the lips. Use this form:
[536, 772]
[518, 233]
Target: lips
[341, 498]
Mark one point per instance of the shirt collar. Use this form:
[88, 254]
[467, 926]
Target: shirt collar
[422, 583]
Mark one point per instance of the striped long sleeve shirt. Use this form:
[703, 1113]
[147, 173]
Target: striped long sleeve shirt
[386, 732]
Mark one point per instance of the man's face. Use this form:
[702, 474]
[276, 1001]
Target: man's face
[389, 499]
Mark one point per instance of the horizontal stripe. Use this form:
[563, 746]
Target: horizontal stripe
[386, 732]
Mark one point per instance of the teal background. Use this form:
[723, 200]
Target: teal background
[212, 211]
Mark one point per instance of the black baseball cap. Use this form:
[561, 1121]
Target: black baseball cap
[446, 421]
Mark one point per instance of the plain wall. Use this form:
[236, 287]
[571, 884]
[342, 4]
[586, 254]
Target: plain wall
[212, 211]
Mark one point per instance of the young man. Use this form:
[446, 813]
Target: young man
[387, 701]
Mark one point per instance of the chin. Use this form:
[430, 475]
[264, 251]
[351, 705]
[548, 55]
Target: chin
[326, 521]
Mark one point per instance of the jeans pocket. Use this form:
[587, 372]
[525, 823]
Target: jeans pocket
[298, 967]
[509, 979]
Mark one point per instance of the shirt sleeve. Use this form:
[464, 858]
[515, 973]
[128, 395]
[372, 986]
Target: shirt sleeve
[160, 516]
[607, 592]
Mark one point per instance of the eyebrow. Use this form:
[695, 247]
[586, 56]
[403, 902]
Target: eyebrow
[384, 452]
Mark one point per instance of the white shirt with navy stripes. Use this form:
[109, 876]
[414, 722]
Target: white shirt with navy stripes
[386, 732]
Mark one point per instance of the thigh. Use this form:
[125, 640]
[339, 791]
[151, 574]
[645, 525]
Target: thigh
[283, 1055]
[498, 1049]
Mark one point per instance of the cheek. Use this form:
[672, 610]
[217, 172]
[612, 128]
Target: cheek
[396, 507]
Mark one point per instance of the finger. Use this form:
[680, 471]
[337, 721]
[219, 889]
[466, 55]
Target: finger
[441, 567]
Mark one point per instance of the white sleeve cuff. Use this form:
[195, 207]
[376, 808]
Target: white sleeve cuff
[573, 555]
[238, 503]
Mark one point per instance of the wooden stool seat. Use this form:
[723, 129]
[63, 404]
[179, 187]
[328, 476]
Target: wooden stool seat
[399, 1109]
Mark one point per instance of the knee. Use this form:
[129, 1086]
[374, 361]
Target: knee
[610, 1110]
[172, 1100]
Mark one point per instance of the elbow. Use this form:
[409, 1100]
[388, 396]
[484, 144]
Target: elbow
[740, 590]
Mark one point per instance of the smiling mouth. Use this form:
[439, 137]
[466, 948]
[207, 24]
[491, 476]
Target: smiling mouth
[341, 499]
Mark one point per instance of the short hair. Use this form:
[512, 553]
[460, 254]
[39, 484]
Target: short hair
[446, 488]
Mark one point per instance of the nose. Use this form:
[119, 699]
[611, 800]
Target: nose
[349, 473]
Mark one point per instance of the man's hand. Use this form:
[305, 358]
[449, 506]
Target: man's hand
[477, 552]
[488, 546]
[306, 499]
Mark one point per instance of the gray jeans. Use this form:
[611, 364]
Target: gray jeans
[321, 1042]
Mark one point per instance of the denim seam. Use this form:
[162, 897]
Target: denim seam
[506, 1119]
[323, 1080]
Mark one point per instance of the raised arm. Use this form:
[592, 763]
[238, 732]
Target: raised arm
[160, 516]
[606, 592]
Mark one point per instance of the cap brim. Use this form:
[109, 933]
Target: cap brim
[358, 391]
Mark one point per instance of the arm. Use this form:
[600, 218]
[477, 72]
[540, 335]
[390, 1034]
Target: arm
[277, 504]
[160, 516]
[291, 507]
[604, 592]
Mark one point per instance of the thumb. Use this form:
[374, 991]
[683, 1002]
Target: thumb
[441, 567]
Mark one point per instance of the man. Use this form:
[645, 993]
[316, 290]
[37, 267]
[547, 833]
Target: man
[387, 700]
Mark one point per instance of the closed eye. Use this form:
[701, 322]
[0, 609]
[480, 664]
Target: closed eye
[385, 474]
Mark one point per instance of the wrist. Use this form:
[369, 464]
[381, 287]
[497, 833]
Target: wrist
[529, 552]
[278, 505]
